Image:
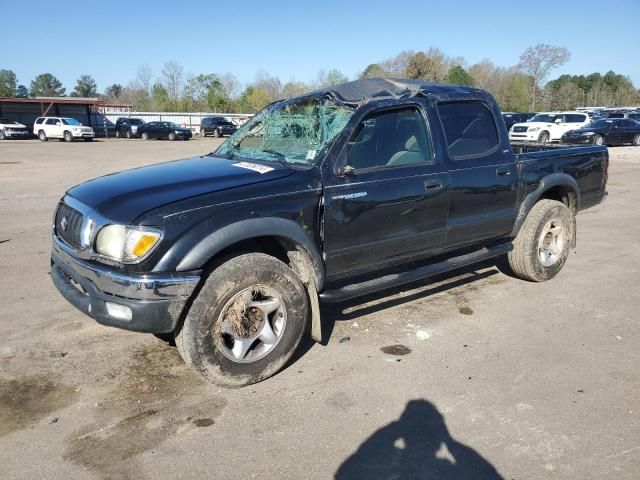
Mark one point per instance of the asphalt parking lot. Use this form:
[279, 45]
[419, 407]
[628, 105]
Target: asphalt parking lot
[471, 376]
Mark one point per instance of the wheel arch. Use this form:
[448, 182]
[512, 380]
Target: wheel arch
[281, 238]
[557, 186]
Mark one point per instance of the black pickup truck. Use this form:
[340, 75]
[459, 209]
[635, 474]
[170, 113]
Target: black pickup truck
[342, 192]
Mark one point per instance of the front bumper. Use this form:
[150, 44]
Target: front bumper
[524, 136]
[156, 301]
[578, 140]
[17, 134]
[83, 134]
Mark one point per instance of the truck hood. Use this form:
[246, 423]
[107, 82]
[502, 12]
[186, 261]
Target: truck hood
[123, 196]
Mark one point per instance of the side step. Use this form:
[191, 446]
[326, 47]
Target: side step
[358, 289]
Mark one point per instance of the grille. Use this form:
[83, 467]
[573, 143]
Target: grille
[69, 224]
[520, 129]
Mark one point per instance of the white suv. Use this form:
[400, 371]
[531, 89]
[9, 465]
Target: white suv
[67, 129]
[548, 127]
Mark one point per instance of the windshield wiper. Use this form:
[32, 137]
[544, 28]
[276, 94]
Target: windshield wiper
[278, 155]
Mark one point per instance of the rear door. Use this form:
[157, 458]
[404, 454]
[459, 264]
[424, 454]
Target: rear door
[53, 127]
[482, 174]
[392, 204]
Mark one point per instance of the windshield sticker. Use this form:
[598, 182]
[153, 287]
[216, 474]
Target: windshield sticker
[256, 167]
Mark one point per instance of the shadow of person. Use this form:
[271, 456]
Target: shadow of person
[416, 446]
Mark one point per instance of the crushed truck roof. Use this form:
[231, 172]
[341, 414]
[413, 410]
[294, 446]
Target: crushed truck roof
[383, 88]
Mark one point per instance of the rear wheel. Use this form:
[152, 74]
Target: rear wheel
[636, 139]
[216, 133]
[117, 133]
[67, 136]
[2, 135]
[598, 140]
[542, 245]
[129, 135]
[544, 137]
[246, 322]
[203, 132]
[42, 136]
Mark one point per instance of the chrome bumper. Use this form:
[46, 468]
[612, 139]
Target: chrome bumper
[139, 287]
[156, 301]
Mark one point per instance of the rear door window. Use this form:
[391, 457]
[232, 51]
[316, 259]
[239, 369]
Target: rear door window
[52, 121]
[469, 128]
[574, 118]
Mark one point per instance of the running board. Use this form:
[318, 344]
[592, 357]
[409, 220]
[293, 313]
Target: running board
[370, 286]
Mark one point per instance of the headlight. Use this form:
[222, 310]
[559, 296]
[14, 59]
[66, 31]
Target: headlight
[178, 132]
[588, 133]
[76, 129]
[127, 244]
[533, 129]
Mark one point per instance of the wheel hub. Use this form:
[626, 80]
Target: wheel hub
[551, 243]
[251, 324]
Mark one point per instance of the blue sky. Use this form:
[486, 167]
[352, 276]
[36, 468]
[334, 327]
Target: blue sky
[294, 39]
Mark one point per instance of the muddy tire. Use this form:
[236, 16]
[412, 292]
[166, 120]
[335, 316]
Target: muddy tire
[246, 322]
[542, 245]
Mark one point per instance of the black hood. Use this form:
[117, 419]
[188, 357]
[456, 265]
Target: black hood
[124, 196]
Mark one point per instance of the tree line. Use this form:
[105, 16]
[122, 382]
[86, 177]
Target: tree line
[520, 88]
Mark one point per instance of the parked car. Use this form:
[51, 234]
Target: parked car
[632, 115]
[510, 118]
[322, 197]
[12, 129]
[128, 127]
[167, 130]
[548, 127]
[614, 131]
[216, 126]
[63, 128]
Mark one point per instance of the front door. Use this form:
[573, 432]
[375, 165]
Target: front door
[482, 174]
[391, 203]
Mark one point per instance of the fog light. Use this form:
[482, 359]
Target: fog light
[121, 312]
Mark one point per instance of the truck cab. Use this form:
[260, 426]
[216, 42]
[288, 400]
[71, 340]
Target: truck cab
[339, 193]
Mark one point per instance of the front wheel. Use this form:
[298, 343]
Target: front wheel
[598, 140]
[2, 135]
[636, 140]
[145, 136]
[68, 137]
[129, 135]
[216, 133]
[542, 245]
[172, 136]
[117, 133]
[246, 322]
[543, 138]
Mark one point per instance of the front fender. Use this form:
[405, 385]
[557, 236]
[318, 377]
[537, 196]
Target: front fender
[548, 182]
[224, 237]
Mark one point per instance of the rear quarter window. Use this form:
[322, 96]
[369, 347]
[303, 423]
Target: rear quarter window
[470, 129]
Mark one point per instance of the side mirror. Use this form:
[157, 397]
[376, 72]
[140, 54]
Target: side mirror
[558, 120]
[58, 124]
[347, 170]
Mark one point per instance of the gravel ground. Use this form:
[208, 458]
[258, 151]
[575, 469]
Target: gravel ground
[471, 376]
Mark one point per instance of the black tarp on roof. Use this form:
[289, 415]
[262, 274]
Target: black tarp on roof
[380, 88]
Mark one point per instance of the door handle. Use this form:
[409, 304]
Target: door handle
[503, 171]
[432, 185]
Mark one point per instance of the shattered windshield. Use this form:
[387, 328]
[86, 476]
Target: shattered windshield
[291, 132]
